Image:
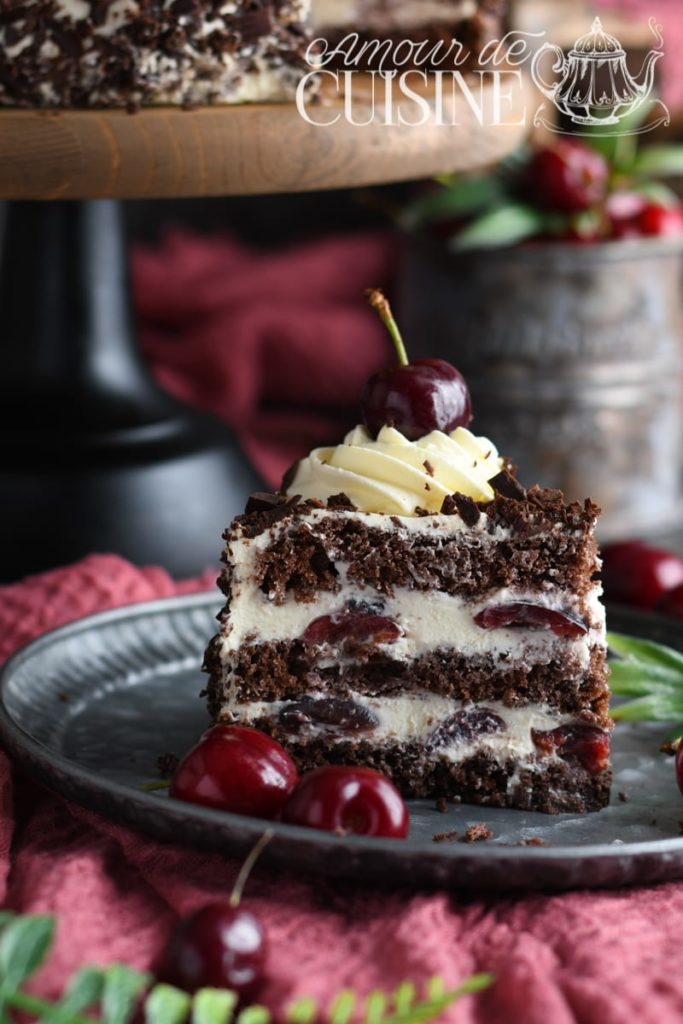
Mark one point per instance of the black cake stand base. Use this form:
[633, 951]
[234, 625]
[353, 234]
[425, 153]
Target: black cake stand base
[93, 455]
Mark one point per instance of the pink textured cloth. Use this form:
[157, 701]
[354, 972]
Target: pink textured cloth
[278, 344]
[596, 958]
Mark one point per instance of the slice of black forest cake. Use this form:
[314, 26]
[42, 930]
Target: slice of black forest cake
[407, 605]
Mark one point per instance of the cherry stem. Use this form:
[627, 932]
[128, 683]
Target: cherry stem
[380, 304]
[247, 867]
[151, 787]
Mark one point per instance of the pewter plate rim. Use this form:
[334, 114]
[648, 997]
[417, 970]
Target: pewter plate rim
[91, 790]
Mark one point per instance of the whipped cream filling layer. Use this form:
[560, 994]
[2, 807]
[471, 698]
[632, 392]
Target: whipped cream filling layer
[414, 718]
[428, 621]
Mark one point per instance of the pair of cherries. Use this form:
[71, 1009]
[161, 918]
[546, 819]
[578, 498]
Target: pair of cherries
[238, 769]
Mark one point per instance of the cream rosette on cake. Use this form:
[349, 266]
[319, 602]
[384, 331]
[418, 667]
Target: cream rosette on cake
[395, 476]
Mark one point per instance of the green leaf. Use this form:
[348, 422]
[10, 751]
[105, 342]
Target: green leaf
[341, 1010]
[462, 198]
[303, 1011]
[659, 161]
[375, 1005]
[646, 651]
[254, 1015]
[618, 144]
[122, 987]
[24, 943]
[435, 988]
[635, 679]
[404, 996]
[655, 192]
[505, 225]
[656, 707]
[167, 1005]
[83, 991]
[213, 1006]
[431, 1009]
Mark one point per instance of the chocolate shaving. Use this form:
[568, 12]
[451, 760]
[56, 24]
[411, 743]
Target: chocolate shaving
[508, 486]
[468, 509]
[444, 837]
[341, 501]
[478, 833]
[262, 501]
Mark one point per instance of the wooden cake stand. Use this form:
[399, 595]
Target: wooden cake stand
[93, 455]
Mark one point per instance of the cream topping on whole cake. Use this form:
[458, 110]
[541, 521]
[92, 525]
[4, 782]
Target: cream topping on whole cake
[396, 476]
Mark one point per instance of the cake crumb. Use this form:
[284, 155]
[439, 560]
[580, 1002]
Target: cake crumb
[444, 837]
[167, 764]
[442, 805]
[653, 823]
[456, 800]
[63, 696]
[623, 798]
[478, 833]
[534, 841]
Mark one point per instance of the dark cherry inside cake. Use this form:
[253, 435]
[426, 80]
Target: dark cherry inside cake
[406, 604]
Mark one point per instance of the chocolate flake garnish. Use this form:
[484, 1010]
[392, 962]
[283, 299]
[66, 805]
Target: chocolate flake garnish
[508, 486]
[167, 764]
[478, 833]
[467, 508]
[428, 466]
[262, 501]
[444, 837]
[341, 501]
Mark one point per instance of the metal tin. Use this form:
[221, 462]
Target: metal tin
[573, 355]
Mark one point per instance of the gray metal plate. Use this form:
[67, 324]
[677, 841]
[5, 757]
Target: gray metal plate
[88, 708]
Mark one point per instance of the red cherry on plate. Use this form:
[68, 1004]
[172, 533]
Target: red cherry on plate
[340, 799]
[569, 177]
[639, 575]
[236, 769]
[661, 221]
[218, 946]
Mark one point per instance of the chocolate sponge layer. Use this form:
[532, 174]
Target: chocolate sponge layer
[552, 786]
[285, 670]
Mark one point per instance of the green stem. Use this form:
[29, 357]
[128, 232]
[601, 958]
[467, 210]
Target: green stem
[151, 787]
[381, 306]
[246, 869]
[39, 1008]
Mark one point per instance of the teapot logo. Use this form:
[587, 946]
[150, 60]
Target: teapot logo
[594, 88]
